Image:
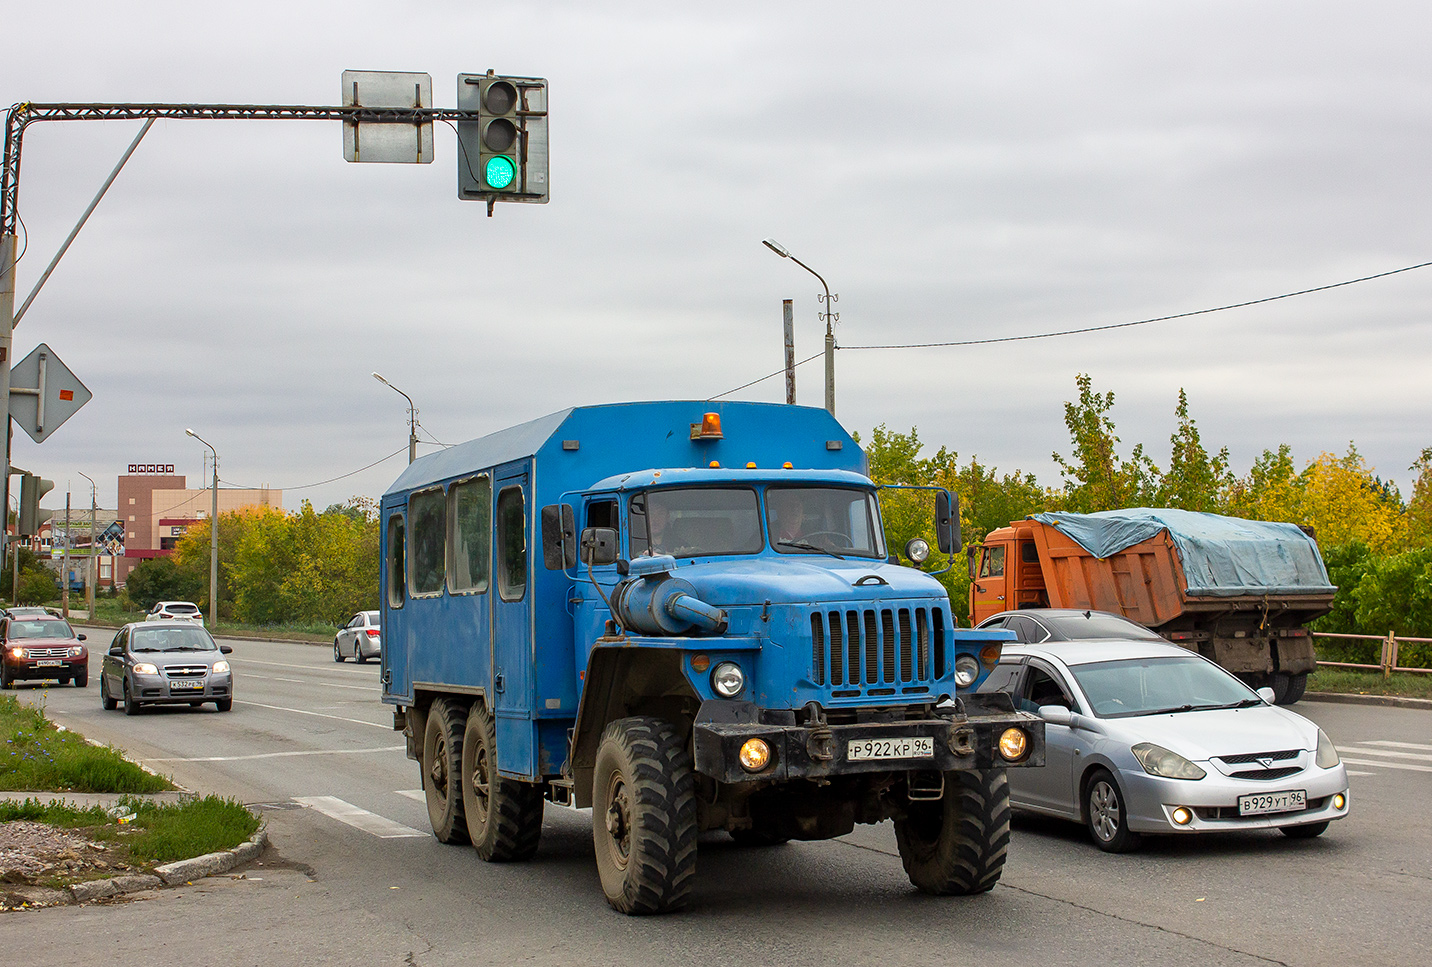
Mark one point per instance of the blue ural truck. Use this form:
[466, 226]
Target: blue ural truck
[683, 616]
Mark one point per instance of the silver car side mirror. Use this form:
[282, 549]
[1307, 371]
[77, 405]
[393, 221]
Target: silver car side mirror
[1266, 694]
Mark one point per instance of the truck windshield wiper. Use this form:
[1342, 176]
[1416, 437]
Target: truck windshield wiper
[809, 547]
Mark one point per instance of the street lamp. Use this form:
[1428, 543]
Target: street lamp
[213, 536]
[828, 316]
[412, 418]
[93, 558]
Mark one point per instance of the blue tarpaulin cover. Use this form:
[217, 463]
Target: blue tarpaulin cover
[1221, 556]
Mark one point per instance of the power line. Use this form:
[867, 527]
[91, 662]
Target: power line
[1140, 322]
[330, 480]
[763, 378]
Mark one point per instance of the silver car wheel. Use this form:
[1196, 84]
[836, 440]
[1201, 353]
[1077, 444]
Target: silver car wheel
[1104, 814]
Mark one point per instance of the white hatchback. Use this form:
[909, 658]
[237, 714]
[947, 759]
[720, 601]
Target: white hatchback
[169, 610]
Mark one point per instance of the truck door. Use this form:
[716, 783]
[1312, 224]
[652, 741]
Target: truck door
[988, 593]
[512, 625]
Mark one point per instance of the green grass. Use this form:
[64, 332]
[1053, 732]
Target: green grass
[1358, 682]
[158, 833]
[35, 755]
[108, 613]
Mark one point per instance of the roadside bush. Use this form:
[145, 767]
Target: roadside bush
[36, 587]
[159, 579]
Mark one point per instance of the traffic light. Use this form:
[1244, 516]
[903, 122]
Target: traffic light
[32, 488]
[502, 155]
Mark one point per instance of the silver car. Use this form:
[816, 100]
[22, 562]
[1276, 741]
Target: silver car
[360, 639]
[1144, 736]
[165, 663]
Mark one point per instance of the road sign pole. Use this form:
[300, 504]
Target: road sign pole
[7, 338]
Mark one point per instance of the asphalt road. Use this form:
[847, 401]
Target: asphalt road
[354, 876]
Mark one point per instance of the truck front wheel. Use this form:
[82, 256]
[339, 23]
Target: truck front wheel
[956, 845]
[504, 817]
[644, 816]
[442, 770]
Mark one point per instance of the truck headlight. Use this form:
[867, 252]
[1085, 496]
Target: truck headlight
[1327, 756]
[967, 669]
[1158, 761]
[727, 679]
[145, 668]
[917, 549]
[1013, 744]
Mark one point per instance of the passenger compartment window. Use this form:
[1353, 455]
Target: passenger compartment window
[426, 558]
[470, 534]
[511, 545]
[397, 574]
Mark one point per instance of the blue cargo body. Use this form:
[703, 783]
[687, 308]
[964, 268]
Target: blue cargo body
[707, 578]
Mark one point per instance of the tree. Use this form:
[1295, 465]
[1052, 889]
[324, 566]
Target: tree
[1096, 477]
[1194, 481]
[1419, 507]
[159, 579]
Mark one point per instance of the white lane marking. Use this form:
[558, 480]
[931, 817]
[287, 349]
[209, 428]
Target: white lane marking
[1387, 765]
[1388, 752]
[331, 666]
[1398, 745]
[417, 795]
[304, 711]
[278, 755]
[300, 681]
[1352, 773]
[346, 812]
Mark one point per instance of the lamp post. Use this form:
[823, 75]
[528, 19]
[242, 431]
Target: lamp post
[828, 316]
[213, 536]
[412, 418]
[93, 558]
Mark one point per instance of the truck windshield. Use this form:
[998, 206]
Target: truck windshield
[695, 522]
[824, 520]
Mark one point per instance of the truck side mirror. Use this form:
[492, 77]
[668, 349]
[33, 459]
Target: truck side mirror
[599, 545]
[973, 554]
[559, 533]
[947, 521]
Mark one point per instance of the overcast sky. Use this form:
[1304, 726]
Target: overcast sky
[954, 170]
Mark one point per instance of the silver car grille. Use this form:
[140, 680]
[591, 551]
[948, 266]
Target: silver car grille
[1267, 766]
[1246, 757]
[186, 671]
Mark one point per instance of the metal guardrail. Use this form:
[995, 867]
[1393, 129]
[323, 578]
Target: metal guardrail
[1390, 645]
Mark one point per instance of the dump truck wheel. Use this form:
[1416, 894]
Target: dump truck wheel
[1279, 683]
[504, 817]
[1297, 685]
[956, 845]
[442, 770]
[644, 816]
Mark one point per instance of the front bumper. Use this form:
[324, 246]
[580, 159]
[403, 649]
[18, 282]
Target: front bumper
[31, 669]
[960, 742]
[1213, 801]
[159, 690]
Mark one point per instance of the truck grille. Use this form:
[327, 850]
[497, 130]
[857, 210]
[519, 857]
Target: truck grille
[890, 647]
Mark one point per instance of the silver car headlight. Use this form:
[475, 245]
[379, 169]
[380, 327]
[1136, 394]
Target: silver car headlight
[967, 669]
[1158, 761]
[1327, 756]
[220, 667]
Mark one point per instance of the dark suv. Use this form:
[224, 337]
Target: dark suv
[42, 648]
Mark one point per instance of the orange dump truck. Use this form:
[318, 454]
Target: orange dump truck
[1238, 592]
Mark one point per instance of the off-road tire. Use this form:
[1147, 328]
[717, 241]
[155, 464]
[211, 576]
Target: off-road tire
[1106, 813]
[442, 770]
[109, 702]
[644, 816]
[504, 816]
[1305, 831]
[955, 846]
[1297, 686]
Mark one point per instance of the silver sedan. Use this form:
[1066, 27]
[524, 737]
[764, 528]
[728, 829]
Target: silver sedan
[360, 639]
[1146, 737]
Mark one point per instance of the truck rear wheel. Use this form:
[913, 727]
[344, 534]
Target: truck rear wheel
[442, 770]
[504, 817]
[1297, 685]
[956, 845]
[644, 816]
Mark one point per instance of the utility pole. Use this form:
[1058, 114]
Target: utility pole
[213, 537]
[828, 316]
[65, 561]
[790, 339]
[93, 572]
[412, 418]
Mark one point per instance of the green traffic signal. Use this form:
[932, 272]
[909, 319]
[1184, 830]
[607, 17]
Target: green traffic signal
[499, 171]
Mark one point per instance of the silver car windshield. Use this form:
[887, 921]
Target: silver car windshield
[824, 520]
[1149, 686]
[170, 639]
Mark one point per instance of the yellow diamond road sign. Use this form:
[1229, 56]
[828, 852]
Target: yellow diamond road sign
[44, 393]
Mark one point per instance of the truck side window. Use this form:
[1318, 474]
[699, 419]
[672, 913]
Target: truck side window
[428, 533]
[470, 534]
[993, 564]
[511, 544]
[1028, 553]
[602, 513]
[397, 573]
[639, 539]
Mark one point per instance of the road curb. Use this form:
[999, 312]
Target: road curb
[174, 874]
[1348, 698]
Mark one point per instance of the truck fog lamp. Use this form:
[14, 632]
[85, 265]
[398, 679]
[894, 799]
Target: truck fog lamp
[917, 549]
[145, 668]
[1327, 756]
[1013, 744]
[1339, 801]
[727, 679]
[755, 755]
[966, 670]
[1182, 816]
